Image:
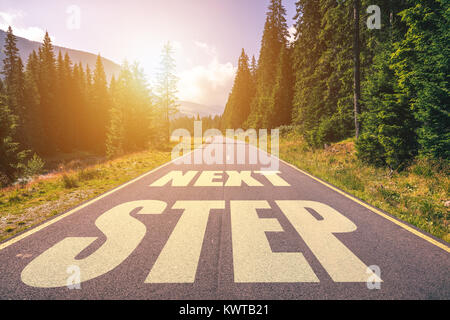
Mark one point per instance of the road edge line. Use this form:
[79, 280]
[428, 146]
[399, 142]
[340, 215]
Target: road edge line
[60, 217]
[371, 208]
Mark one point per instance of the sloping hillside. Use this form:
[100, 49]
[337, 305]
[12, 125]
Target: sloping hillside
[26, 47]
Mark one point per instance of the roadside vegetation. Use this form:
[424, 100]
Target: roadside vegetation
[52, 108]
[68, 133]
[395, 102]
[419, 194]
[72, 183]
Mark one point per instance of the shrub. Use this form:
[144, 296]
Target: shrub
[370, 151]
[88, 174]
[330, 130]
[4, 180]
[286, 130]
[69, 182]
[34, 166]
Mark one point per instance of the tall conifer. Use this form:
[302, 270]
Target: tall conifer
[274, 38]
[238, 106]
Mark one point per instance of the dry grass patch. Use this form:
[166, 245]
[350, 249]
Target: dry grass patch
[418, 195]
[22, 207]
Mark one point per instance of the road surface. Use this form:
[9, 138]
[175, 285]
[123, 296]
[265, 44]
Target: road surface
[228, 231]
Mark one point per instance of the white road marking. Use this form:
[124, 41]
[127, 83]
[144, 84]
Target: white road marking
[123, 234]
[253, 259]
[178, 261]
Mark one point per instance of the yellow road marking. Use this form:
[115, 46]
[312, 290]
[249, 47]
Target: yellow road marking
[340, 263]
[236, 178]
[177, 177]
[178, 261]
[253, 259]
[59, 218]
[274, 178]
[397, 222]
[207, 178]
[123, 234]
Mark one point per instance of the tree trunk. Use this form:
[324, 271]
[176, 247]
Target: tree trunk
[357, 76]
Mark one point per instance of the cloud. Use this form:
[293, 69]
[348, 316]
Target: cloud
[209, 50]
[208, 84]
[13, 18]
[177, 46]
[292, 34]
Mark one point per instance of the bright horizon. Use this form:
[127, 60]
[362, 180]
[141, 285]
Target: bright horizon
[206, 52]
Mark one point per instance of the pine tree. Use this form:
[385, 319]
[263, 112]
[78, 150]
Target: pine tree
[61, 110]
[357, 66]
[253, 68]
[274, 38]
[12, 131]
[21, 107]
[90, 110]
[100, 105]
[237, 109]
[405, 97]
[11, 158]
[324, 64]
[388, 137]
[423, 70]
[282, 96]
[142, 129]
[88, 79]
[31, 115]
[82, 116]
[388, 126]
[307, 51]
[11, 70]
[166, 88]
[115, 135]
[71, 107]
[48, 105]
[131, 126]
[14, 83]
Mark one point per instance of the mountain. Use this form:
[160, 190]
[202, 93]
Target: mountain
[26, 47]
[191, 109]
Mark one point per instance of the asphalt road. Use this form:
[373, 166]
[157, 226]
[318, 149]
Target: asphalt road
[224, 231]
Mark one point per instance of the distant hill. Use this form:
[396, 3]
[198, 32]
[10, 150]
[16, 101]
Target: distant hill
[26, 47]
[191, 109]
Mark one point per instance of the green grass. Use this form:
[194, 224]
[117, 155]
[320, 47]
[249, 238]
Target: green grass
[22, 207]
[416, 195]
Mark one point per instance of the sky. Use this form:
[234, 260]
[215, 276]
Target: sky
[208, 35]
